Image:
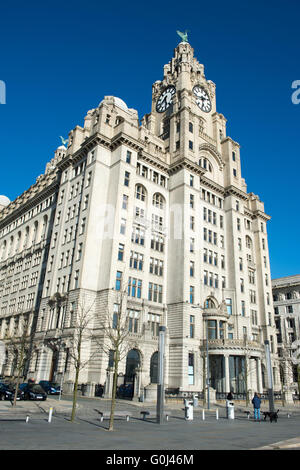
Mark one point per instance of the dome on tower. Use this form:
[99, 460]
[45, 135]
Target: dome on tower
[116, 101]
[4, 201]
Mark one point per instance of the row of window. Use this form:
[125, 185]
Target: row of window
[18, 304]
[134, 288]
[134, 320]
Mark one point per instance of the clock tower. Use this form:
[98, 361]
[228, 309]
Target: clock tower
[184, 105]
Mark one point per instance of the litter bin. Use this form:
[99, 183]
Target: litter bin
[195, 401]
[229, 409]
[188, 410]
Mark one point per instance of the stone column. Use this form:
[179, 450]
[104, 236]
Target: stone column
[109, 382]
[226, 370]
[90, 389]
[259, 376]
[288, 397]
[137, 384]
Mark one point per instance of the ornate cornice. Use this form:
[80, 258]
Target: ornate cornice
[262, 215]
[212, 185]
[234, 191]
[185, 163]
[45, 186]
[154, 161]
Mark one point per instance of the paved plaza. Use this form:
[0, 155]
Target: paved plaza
[89, 433]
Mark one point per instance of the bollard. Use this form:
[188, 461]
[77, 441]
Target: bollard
[217, 413]
[203, 415]
[50, 415]
[27, 419]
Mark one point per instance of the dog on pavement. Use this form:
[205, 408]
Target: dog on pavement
[273, 415]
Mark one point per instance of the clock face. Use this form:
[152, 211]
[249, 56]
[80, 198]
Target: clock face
[202, 98]
[165, 99]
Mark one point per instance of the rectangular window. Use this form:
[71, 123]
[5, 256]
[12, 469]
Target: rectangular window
[128, 157]
[125, 202]
[243, 308]
[155, 292]
[192, 326]
[134, 287]
[118, 280]
[212, 329]
[121, 252]
[190, 145]
[76, 280]
[191, 180]
[192, 294]
[138, 236]
[126, 178]
[191, 368]
[192, 268]
[123, 226]
[229, 306]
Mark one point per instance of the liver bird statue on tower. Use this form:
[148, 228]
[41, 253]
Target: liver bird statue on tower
[183, 36]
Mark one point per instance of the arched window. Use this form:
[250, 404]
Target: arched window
[3, 250]
[248, 242]
[140, 192]
[209, 303]
[205, 164]
[154, 368]
[158, 200]
[10, 248]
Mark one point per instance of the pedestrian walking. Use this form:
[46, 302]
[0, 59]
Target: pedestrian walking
[229, 396]
[256, 401]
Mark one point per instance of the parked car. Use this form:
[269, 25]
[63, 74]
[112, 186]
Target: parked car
[51, 388]
[33, 392]
[7, 392]
[125, 391]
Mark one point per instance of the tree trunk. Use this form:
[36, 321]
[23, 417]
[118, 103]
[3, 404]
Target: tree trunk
[75, 395]
[16, 391]
[113, 398]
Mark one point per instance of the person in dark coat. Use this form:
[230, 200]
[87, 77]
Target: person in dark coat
[256, 401]
[229, 396]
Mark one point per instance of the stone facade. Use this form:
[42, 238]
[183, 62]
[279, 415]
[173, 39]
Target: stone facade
[286, 298]
[161, 207]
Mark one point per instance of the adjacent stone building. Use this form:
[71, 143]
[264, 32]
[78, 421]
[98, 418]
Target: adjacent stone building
[286, 298]
[158, 205]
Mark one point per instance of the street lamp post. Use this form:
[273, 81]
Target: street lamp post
[270, 379]
[207, 360]
[207, 366]
[161, 375]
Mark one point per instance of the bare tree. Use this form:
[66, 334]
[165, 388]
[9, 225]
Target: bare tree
[18, 345]
[83, 333]
[115, 327]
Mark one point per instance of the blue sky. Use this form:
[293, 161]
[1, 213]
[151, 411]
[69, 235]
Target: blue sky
[59, 59]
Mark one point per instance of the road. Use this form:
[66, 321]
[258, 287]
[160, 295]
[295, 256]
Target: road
[88, 433]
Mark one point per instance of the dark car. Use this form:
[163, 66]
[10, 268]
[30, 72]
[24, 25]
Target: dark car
[7, 392]
[51, 388]
[33, 392]
[125, 391]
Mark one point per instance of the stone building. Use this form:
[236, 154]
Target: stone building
[286, 299]
[158, 205]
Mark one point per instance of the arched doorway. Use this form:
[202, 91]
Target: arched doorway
[154, 368]
[54, 364]
[132, 363]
